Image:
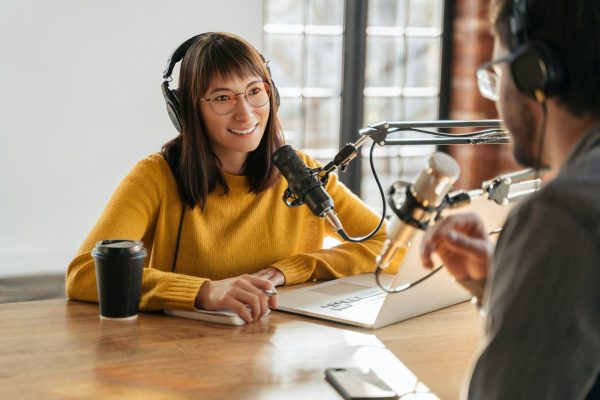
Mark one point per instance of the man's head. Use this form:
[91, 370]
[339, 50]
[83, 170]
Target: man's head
[572, 29]
[569, 31]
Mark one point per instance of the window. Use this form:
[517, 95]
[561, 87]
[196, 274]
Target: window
[303, 39]
[401, 84]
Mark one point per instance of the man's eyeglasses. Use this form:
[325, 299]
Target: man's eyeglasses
[223, 102]
[488, 79]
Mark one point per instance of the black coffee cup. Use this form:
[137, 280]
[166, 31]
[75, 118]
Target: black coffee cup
[119, 269]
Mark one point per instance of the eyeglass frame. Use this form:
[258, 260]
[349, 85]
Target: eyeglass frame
[485, 68]
[235, 95]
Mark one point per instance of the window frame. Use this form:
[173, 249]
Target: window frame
[352, 98]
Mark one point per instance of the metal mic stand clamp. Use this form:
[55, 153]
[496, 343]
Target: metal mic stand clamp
[377, 133]
[291, 199]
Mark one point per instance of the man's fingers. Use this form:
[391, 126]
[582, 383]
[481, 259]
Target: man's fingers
[470, 247]
[464, 256]
[429, 245]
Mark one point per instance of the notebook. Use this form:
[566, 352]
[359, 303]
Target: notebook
[226, 317]
[357, 300]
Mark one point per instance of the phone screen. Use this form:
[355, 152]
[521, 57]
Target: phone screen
[356, 383]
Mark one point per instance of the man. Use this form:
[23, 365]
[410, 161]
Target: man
[541, 286]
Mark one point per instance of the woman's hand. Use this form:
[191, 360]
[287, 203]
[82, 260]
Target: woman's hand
[272, 274]
[462, 244]
[237, 294]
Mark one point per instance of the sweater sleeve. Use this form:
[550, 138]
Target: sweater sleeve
[348, 258]
[131, 214]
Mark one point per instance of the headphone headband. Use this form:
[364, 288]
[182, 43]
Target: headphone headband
[178, 54]
[536, 66]
[519, 24]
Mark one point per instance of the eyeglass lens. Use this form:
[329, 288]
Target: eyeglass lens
[256, 94]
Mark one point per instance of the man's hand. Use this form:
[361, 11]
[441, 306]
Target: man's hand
[237, 294]
[462, 244]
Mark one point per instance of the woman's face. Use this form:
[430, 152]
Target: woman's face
[239, 132]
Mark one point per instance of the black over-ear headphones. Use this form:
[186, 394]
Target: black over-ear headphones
[535, 66]
[172, 96]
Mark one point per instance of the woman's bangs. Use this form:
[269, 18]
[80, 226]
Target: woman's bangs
[228, 63]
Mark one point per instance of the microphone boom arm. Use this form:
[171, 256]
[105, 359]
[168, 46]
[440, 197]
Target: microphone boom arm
[378, 133]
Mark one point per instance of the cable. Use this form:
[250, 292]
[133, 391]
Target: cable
[407, 286]
[483, 132]
[538, 159]
[178, 238]
[342, 233]
[481, 136]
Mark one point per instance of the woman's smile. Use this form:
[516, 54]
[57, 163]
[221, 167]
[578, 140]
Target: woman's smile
[243, 132]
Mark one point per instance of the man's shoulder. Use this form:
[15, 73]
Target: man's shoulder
[563, 213]
[576, 191]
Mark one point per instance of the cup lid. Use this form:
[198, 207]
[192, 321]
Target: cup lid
[119, 247]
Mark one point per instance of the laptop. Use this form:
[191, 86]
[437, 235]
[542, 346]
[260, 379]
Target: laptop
[357, 300]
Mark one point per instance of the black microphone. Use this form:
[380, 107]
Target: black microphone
[303, 184]
[422, 199]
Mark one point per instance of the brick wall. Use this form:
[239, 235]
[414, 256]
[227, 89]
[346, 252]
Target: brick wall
[472, 46]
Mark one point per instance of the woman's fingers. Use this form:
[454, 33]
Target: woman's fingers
[260, 287]
[264, 273]
[273, 301]
[244, 295]
[251, 291]
[272, 274]
[239, 308]
[250, 299]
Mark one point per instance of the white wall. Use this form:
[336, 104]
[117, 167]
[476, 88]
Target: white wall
[80, 103]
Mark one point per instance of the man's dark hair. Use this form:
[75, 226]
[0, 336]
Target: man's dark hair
[573, 28]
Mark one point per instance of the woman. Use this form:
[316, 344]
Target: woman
[208, 207]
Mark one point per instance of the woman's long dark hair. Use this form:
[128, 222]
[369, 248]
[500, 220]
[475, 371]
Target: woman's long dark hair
[194, 164]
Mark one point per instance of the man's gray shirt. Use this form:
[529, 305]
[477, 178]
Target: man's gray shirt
[543, 295]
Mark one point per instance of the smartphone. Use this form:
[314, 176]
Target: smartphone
[357, 384]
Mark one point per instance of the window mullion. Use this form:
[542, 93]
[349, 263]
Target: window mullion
[353, 83]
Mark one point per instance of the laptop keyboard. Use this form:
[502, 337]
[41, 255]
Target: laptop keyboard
[368, 297]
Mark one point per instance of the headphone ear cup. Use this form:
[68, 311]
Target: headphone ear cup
[176, 101]
[536, 67]
[276, 93]
[173, 105]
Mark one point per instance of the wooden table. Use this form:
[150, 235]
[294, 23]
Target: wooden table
[57, 349]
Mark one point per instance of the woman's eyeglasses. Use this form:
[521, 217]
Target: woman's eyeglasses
[223, 102]
[488, 78]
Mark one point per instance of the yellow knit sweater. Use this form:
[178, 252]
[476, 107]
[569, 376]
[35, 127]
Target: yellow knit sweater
[237, 233]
